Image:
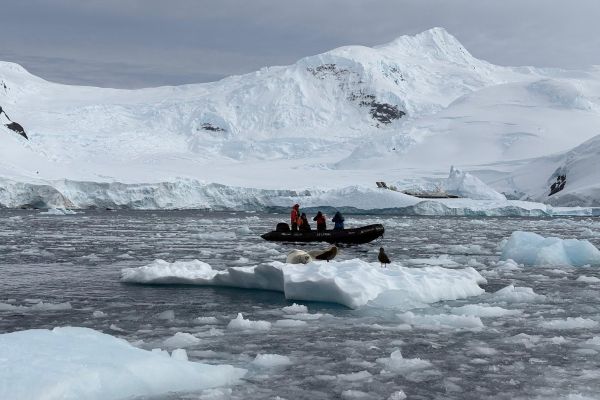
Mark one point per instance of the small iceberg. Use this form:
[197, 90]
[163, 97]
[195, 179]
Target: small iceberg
[531, 249]
[81, 363]
[352, 283]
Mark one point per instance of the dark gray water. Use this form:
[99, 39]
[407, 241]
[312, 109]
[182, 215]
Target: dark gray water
[78, 258]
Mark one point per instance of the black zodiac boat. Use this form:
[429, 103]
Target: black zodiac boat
[364, 234]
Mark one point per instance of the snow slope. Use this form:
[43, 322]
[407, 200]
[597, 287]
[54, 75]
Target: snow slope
[580, 168]
[403, 112]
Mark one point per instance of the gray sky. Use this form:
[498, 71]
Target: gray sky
[138, 43]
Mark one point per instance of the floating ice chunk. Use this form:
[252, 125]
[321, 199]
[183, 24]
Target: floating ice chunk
[41, 306]
[239, 323]
[168, 315]
[295, 309]
[80, 363]
[352, 283]
[396, 364]
[484, 311]
[593, 343]
[271, 361]
[244, 230]
[532, 249]
[181, 339]
[508, 265]
[289, 323]
[306, 316]
[207, 320]
[512, 294]
[442, 321]
[589, 279]
[570, 323]
[355, 376]
[399, 395]
[98, 314]
[216, 236]
[352, 394]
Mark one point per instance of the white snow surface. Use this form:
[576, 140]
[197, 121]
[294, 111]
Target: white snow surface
[80, 363]
[353, 283]
[529, 248]
[403, 112]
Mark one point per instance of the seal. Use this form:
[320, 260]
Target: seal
[298, 257]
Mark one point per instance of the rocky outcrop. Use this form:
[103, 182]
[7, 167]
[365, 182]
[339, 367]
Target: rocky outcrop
[10, 124]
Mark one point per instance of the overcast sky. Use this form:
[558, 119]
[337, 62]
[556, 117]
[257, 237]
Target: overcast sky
[138, 43]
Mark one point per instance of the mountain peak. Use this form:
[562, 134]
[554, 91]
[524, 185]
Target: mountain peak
[436, 42]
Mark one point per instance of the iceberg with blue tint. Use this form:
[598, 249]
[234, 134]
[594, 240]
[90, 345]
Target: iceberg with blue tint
[529, 248]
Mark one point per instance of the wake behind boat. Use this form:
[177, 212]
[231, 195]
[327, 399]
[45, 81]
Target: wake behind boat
[364, 234]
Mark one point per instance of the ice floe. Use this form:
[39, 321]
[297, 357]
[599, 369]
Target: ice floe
[271, 361]
[41, 306]
[396, 364]
[239, 323]
[532, 249]
[81, 363]
[353, 283]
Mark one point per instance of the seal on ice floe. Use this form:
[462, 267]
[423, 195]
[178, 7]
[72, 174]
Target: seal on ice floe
[327, 255]
[298, 257]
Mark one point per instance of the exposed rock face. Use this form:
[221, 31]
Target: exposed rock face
[13, 126]
[559, 185]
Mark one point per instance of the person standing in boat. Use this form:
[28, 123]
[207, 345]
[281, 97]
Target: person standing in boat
[321, 221]
[295, 216]
[338, 221]
[303, 224]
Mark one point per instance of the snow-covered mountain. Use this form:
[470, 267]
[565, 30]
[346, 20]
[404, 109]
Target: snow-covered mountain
[402, 112]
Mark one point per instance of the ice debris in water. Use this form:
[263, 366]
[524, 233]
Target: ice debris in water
[271, 361]
[441, 321]
[81, 363]
[352, 283]
[239, 323]
[569, 323]
[289, 323]
[181, 339]
[482, 310]
[295, 309]
[58, 211]
[396, 364]
[513, 294]
[98, 314]
[535, 250]
[41, 306]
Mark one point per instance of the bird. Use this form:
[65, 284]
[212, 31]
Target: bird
[326, 255]
[383, 258]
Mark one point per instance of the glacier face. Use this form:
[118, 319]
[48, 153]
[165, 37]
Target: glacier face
[403, 112]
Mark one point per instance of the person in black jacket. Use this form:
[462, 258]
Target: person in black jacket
[338, 220]
[303, 225]
[321, 221]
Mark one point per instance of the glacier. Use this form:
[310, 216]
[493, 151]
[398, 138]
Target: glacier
[403, 112]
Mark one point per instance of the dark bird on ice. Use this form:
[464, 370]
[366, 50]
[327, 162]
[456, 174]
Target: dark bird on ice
[327, 255]
[383, 258]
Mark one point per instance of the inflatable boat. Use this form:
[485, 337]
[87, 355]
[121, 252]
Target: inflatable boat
[364, 234]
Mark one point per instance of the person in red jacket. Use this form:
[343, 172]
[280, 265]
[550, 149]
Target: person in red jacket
[321, 221]
[294, 215]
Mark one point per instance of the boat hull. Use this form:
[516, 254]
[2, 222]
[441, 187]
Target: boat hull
[364, 234]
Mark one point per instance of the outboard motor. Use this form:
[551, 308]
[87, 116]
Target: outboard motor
[282, 227]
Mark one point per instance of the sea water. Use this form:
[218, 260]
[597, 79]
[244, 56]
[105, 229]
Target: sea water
[535, 333]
